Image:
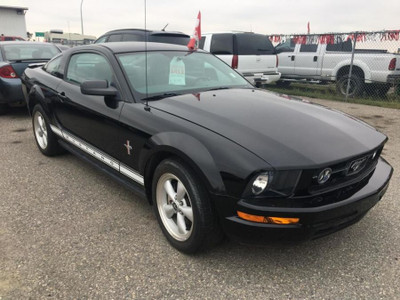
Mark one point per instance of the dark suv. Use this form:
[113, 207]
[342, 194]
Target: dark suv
[139, 35]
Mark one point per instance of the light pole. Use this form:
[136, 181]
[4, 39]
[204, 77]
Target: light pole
[81, 17]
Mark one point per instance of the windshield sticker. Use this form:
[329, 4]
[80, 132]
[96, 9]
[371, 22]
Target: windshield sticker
[177, 72]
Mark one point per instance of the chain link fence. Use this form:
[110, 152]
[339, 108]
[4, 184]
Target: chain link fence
[343, 65]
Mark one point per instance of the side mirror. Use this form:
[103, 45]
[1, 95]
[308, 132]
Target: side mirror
[98, 88]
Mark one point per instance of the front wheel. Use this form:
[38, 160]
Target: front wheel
[355, 85]
[182, 208]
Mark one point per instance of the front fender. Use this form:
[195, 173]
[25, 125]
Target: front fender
[189, 149]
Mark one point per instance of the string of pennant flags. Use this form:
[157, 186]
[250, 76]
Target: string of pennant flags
[333, 38]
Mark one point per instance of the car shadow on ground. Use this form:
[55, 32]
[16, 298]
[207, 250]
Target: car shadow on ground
[16, 113]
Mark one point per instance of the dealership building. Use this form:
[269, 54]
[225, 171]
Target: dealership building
[12, 21]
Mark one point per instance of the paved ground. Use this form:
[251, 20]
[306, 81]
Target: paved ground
[68, 231]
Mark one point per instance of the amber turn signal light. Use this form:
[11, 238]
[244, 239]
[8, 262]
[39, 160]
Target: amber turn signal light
[268, 220]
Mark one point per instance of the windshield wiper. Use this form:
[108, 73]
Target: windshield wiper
[161, 96]
[219, 88]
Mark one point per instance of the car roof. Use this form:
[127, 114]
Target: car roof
[120, 47]
[130, 30]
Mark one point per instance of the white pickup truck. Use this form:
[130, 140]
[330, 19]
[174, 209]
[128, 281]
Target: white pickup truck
[373, 70]
[251, 54]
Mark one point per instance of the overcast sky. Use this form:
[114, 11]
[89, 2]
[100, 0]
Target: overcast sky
[279, 16]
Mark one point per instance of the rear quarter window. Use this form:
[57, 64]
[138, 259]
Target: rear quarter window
[53, 66]
[254, 44]
[202, 41]
[115, 38]
[130, 37]
[222, 44]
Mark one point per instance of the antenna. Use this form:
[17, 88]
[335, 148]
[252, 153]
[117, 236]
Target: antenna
[165, 27]
[147, 108]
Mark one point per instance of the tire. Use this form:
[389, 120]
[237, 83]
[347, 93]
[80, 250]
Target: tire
[283, 84]
[378, 89]
[188, 222]
[3, 108]
[356, 85]
[258, 84]
[382, 89]
[46, 140]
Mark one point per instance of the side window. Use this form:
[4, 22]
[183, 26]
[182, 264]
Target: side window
[115, 38]
[340, 47]
[202, 41]
[88, 66]
[130, 37]
[222, 43]
[287, 46]
[309, 48]
[53, 66]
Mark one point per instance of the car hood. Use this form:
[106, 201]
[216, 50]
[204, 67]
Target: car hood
[285, 133]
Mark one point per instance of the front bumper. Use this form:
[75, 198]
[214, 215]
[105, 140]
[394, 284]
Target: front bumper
[314, 221]
[10, 90]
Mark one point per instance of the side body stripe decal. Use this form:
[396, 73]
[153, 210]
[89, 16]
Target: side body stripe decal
[98, 154]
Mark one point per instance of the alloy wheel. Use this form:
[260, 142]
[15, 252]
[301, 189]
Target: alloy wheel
[174, 206]
[40, 130]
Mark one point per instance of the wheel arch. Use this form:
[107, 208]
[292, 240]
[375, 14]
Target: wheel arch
[186, 149]
[359, 68]
[35, 96]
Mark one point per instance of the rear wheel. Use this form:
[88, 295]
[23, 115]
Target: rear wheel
[378, 89]
[355, 85]
[3, 108]
[46, 140]
[182, 208]
[283, 83]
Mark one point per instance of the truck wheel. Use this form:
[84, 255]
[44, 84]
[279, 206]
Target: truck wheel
[283, 84]
[378, 89]
[356, 85]
[382, 89]
[3, 108]
[183, 208]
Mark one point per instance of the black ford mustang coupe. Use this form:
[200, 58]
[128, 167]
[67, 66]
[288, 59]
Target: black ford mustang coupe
[212, 154]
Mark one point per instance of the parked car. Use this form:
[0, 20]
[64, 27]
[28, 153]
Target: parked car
[14, 58]
[211, 153]
[10, 38]
[331, 62]
[139, 35]
[251, 54]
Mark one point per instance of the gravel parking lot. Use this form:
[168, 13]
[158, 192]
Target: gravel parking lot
[68, 231]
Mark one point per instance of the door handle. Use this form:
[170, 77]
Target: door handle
[315, 58]
[293, 57]
[62, 96]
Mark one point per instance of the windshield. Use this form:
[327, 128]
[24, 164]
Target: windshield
[28, 51]
[173, 72]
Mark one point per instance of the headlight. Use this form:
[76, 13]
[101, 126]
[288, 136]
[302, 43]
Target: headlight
[259, 184]
[272, 184]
